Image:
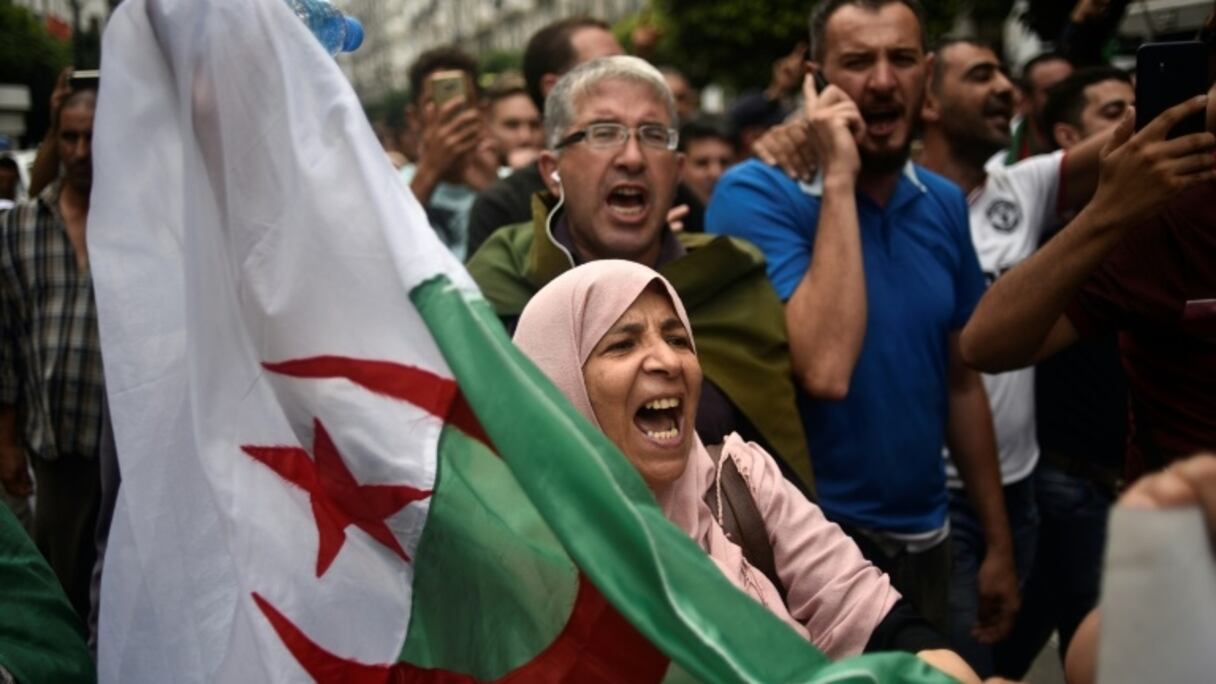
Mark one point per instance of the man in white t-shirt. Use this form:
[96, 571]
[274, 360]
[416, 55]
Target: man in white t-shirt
[965, 117]
[1081, 407]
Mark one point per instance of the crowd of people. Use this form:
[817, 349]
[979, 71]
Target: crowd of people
[932, 320]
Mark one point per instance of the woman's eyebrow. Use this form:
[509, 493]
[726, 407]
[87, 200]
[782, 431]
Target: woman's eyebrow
[671, 323]
[630, 328]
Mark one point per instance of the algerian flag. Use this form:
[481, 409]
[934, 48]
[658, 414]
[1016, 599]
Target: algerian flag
[335, 465]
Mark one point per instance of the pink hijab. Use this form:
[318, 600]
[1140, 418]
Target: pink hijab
[835, 598]
[564, 321]
[558, 330]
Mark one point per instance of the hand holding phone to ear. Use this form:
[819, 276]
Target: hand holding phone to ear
[835, 125]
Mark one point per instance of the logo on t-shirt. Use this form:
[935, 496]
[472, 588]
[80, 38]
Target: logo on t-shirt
[1004, 215]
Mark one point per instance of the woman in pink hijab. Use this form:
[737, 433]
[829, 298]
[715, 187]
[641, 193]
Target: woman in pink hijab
[614, 337]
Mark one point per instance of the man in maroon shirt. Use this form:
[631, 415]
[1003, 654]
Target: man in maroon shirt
[1158, 289]
[1140, 259]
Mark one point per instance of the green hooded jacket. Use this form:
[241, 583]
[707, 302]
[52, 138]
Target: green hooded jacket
[738, 321]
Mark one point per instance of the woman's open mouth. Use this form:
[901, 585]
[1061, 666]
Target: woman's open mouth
[660, 420]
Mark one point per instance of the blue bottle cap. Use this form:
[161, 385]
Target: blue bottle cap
[354, 35]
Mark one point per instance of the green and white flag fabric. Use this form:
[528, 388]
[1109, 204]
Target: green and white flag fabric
[335, 465]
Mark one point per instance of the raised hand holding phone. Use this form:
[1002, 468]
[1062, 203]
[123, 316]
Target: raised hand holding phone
[451, 131]
[1141, 173]
[447, 85]
[834, 124]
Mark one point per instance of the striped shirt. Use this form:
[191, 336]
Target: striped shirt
[50, 355]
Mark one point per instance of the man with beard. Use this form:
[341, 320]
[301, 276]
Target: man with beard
[875, 263]
[50, 357]
[966, 114]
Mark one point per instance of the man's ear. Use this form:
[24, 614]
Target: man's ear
[1065, 135]
[930, 108]
[547, 163]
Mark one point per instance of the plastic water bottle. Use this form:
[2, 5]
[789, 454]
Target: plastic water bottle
[336, 31]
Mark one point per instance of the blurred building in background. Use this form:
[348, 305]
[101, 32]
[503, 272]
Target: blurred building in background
[397, 31]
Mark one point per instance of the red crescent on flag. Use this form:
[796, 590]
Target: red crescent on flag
[596, 645]
[432, 393]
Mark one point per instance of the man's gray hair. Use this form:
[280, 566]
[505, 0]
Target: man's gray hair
[559, 105]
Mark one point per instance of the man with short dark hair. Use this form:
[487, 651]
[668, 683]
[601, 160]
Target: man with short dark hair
[1086, 103]
[611, 168]
[875, 263]
[51, 384]
[551, 52]
[456, 154]
[1030, 135]
[709, 150]
[514, 122]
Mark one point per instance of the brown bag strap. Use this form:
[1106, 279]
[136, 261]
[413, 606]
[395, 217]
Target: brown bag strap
[741, 519]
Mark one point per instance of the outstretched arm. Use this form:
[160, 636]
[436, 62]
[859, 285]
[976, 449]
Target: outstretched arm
[1020, 319]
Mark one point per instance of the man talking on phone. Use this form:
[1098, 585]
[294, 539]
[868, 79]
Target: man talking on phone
[1140, 259]
[457, 156]
[875, 264]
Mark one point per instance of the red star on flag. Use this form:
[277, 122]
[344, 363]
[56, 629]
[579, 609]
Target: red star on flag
[338, 501]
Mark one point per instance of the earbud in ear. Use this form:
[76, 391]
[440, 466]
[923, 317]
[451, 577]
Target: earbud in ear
[557, 177]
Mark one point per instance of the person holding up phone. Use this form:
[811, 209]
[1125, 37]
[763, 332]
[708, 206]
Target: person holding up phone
[1140, 259]
[457, 156]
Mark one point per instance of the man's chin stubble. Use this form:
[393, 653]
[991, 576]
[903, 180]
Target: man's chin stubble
[883, 163]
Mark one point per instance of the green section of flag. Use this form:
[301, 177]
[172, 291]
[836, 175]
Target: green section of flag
[41, 638]
[599, 507]
[479, 518]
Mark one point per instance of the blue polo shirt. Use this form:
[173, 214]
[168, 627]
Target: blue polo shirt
[877, 453]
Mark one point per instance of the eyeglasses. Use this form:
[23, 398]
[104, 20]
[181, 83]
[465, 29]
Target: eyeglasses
[610, 136]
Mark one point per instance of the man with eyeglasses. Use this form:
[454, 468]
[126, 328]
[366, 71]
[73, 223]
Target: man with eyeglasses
[611, 170]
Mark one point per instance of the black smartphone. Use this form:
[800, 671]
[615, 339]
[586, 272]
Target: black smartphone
[1168, 74]
[85, 79]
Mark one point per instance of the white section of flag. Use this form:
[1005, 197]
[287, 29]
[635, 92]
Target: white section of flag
[242, 213]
